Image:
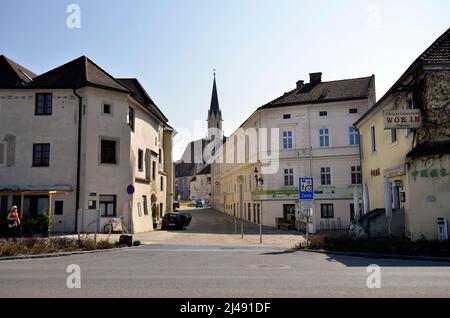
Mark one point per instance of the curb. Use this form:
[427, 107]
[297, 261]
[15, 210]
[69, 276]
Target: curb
[385, 256]
[51, 255]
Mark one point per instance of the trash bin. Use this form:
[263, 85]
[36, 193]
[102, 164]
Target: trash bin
[126, 240]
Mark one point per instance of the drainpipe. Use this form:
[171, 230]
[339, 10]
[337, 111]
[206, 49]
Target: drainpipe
[80, 116]
[362, 178]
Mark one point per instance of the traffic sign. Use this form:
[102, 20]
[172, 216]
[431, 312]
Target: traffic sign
[130, 189]
[306, 188]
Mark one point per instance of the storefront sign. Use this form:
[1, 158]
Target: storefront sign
[402, 119]
[393, 172]
[429, 173]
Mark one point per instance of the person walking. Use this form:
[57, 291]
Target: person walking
[13, 222]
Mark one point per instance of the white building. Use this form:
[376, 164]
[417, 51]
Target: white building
[316, 138]
[200, 185]
[76, 139]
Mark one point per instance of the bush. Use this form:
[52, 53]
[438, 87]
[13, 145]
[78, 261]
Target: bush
[136, 243]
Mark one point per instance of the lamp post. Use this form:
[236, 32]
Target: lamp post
[259, 179]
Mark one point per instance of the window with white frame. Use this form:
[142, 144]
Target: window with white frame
[287, 139]
[324, 137]
[325, 176]
[289, 177]
[356, 175]
[353, 135]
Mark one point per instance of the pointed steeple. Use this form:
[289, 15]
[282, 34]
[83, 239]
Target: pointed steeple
[214, 114]
[214, 107]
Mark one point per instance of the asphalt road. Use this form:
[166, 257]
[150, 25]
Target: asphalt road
[194, 270]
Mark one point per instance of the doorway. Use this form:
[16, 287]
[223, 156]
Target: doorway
[289, 213]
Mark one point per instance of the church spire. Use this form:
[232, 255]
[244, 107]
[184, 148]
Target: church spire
[214, 107]
[214, 114]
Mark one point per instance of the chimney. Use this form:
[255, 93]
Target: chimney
[315, 78]
[300, 84]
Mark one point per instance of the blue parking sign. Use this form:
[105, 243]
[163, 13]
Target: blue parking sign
[306, 188]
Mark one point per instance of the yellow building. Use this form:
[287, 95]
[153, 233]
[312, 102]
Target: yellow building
[415, 161]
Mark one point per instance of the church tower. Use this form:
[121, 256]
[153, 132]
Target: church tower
[214, 115]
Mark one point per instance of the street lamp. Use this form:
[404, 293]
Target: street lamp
[257, 178]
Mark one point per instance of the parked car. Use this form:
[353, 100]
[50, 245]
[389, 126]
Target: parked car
[175, 220]
[200, 204]
[176, 205]
[187, 217]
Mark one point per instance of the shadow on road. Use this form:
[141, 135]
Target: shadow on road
[364, 261]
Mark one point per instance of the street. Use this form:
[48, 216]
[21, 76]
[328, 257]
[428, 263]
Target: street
[209, 260]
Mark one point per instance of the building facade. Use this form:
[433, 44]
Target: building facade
[315, 138]
[200, 185]
[80, 143]
[413, 161]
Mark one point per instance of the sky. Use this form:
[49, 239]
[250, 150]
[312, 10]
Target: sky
[259, 48]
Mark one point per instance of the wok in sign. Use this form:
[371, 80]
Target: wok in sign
[402, 119]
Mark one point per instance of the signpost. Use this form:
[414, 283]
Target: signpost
[402, 119]
[306, 189]
[306, 196]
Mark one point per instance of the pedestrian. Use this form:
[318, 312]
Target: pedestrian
[13, 222]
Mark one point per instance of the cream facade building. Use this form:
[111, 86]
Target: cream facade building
[200, 185]
[77, 139]
[414, 161]
[315, 137]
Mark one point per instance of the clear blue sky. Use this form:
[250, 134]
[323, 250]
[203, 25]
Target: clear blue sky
[260, 48]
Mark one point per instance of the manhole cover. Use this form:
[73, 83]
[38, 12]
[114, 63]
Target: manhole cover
[270, 266]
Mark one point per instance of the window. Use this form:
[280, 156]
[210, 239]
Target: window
[326, 211]
[108, 151]
[107, 109]
[323, 114]
[325, 176]
[154, 170]
[353, 135]
[324, 137]
[59, 207]
[160, 156]
[289, 177]
[140, 160]
[131, 118]
[108, 205]
[287, 139]
[356, 175]
[2, 154]
[43, 104]
[162, 183]
[286, 116]
[372, 136]
[393, 135]
[144, 203]
[353, 111]
[41, 155]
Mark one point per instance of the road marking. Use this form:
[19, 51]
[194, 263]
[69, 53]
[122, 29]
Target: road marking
[215, 250]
